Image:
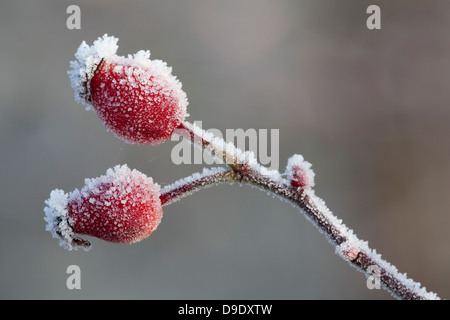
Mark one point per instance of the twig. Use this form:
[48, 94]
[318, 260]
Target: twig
[245, 169]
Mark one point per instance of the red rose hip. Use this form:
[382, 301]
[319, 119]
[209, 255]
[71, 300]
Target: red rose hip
[122, 206]
[137, 99]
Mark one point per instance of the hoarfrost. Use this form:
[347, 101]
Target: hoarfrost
[88, 58]
[299, 172]
[349, 249]
[192, 179]
[101, 201]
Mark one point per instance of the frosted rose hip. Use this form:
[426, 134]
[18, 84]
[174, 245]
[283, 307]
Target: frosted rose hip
[122, 206]
[137, 99]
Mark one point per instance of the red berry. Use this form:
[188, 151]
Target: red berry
[137, 99]
[349, 249]
[122, 207]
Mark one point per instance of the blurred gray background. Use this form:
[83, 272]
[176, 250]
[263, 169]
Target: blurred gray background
[369, 109]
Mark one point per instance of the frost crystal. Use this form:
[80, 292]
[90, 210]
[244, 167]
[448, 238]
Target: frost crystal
[57, 218]
[299, 172]
[349, 249]
[137, 99]
[122, 206]
[88, 58]
[207, 172]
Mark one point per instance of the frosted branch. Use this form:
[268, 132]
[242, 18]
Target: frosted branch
[245, 169]
[186, 186]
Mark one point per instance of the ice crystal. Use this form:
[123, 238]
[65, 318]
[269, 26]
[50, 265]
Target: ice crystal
[299, 172]
[122, 206]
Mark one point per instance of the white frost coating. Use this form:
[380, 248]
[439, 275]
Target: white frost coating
[298, 166]
[335, 221]
[220, 149]
[274, 175]
[88, 58]
[413, 286]
[105, 47]
[57, 218]
[59, 222]
[192, 178]
[120, 176]
[349, 250]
